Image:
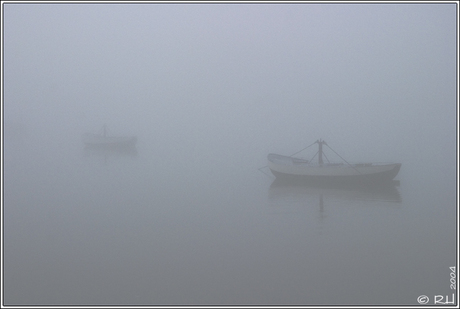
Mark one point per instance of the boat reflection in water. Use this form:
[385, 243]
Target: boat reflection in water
[287, 193]
[111, 152]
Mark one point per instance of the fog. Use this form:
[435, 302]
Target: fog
[209, 90]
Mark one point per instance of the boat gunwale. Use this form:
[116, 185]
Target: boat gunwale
[289, 161]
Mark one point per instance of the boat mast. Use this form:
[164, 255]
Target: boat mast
[320, 143]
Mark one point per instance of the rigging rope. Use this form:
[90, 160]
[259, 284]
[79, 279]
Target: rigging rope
[326, 158]
[302, 149]
[343, 159]
[260, 168]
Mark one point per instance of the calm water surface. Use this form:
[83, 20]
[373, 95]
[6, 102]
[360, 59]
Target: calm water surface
[154, 228]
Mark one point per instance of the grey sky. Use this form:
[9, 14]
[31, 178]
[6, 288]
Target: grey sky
[268, 75]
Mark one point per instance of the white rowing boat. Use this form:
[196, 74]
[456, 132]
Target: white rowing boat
[288, 167]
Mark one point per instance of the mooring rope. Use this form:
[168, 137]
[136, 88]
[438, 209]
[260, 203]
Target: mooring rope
[260, 170]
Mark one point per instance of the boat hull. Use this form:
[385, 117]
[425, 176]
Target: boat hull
[109, 142]
[294, 169]
[368, 178]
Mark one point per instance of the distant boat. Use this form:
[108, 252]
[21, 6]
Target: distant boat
[290, 168]
[103, 141]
